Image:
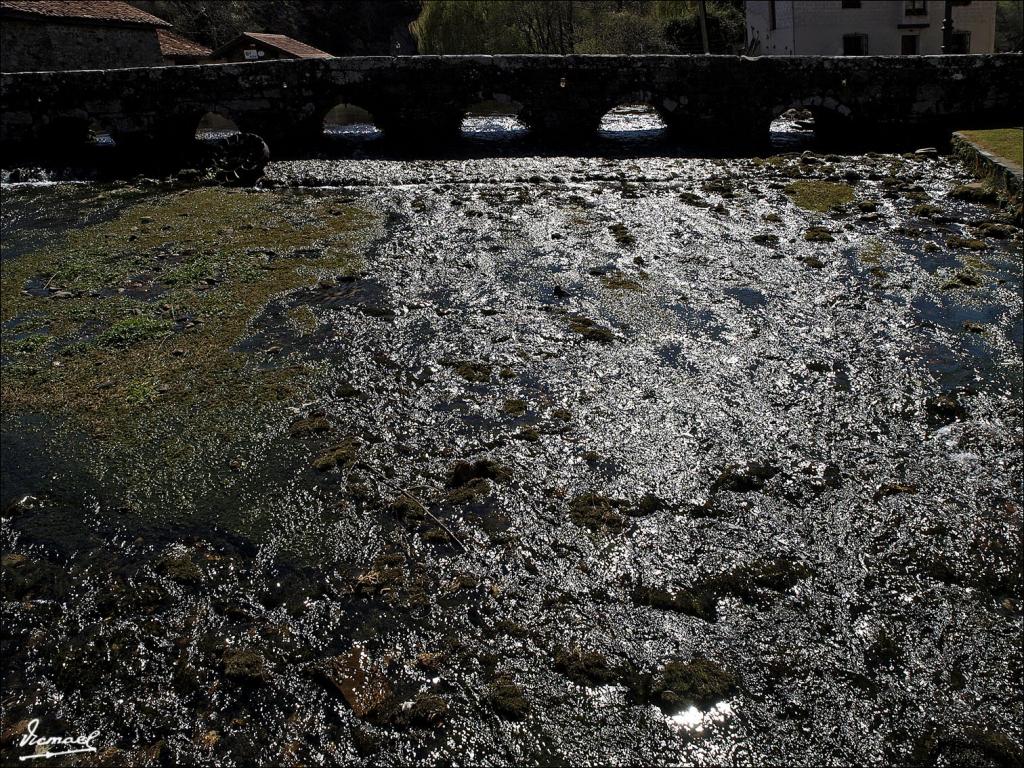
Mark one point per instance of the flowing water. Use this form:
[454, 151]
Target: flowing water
[589, 423]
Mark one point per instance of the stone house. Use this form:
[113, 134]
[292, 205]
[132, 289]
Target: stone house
[258, 46]
[42, 35]
[866, 27]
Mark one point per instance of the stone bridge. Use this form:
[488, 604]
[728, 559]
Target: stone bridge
[703, 99]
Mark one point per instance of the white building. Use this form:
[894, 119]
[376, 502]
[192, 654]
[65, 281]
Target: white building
[866, 27]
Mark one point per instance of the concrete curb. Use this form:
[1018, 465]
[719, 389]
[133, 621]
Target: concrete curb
[1003, 175]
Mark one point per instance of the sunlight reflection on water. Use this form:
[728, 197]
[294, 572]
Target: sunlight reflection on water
[694, 719]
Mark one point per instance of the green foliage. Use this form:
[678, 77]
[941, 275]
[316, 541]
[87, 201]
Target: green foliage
[624, 33]
[725, 26]
[575, 26]
[448, 27]
[1009, 25]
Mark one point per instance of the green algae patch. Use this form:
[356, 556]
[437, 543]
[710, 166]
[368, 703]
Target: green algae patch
[131, 332]
[302, 320]
[820, 196]
[872, 251]
[138, 316]
[620, 281]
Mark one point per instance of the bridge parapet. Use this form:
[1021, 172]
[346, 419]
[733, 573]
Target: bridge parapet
[706, 99]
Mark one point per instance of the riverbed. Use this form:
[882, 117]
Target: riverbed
[492, 460]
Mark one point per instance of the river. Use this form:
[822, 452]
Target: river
[630, 458]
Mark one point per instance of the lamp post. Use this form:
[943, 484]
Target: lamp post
[947, 27]
[702, 10]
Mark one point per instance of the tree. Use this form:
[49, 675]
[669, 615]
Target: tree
[725, 24]
[496, 26]
[575, 26]
[1009, 25]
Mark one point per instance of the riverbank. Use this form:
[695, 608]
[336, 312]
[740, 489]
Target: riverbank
[996, 157]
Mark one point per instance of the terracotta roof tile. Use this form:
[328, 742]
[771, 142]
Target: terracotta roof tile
[86, 10]
[173, 44]
[288, 45]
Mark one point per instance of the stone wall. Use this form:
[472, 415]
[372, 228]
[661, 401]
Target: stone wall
[31, 46]
[711, 99]
[1004, 176]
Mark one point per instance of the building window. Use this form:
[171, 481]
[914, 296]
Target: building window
[915, 8]
[771, 14]
[908, 45]
[855, 45]
[851, 3]
[960, 42]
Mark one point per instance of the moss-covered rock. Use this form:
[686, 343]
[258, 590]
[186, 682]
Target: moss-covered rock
[693, 602]
[584, 667]
[694, 199]
[463, 472]
[976, 192]
[965, 279]
[590, 330]
[766, 239]
[818, 235]
[427, 711]
[944, 409]
[507, 698]
[699, 683]
[925, 210]
[313, 425]
[474, 371]
[971, 747]
[598, 512]
[514, 407]
[340, 454]
[744, 478]
[750, 581]
[622, 235]
[620, 281]
[181, 568]
[244, 665]
[970, 243]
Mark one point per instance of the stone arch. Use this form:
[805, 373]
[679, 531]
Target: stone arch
[349, 118]
[637, 113]
[830, 118]
[215, 123]
[493, 114]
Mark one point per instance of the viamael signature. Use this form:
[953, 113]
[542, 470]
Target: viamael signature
[76, 743]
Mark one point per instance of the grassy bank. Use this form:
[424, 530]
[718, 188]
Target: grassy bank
[1007, 143]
